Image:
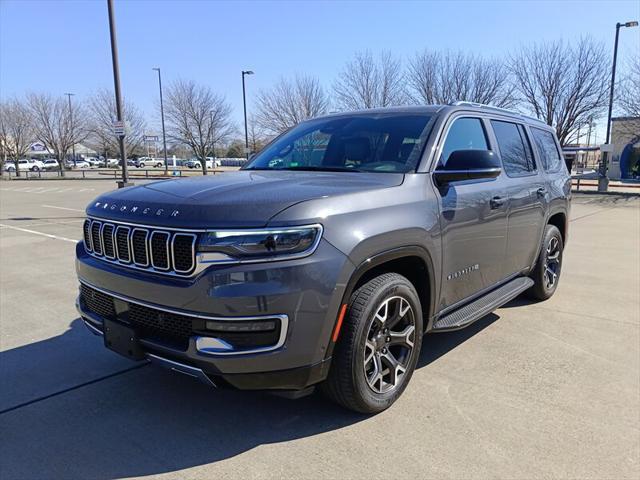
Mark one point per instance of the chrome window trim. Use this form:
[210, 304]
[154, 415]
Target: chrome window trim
[284, 322]
[104, 252]
[167, 243]
[146, 247]
[101, 252]
[194, 237]
[123, 262]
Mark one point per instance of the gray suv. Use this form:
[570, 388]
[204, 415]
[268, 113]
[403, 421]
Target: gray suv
[327, 257]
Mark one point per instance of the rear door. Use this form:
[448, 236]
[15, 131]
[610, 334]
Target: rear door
[473, 219]
[526, 191]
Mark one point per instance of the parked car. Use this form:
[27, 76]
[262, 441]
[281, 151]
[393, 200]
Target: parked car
[325, 266]
[79, 164]
[195, 163]
[113, 162]
[51, 164]
[25, 164]
[93, 162]
[143, 162]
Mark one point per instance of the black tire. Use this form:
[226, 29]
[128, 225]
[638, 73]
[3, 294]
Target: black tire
[35, 168]
[546, 273]
[348, 381]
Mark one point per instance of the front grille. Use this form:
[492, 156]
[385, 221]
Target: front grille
[97, 302]
[168, 328]
[157, 250]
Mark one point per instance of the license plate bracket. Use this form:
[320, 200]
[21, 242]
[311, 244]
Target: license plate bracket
[122, 339]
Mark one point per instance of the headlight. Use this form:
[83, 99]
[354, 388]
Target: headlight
[228, 246]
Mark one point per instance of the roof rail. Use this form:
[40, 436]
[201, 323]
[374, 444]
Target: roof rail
[462, 103]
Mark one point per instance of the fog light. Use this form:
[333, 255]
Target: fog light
[231, 326]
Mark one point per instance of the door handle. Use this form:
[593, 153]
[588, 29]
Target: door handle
[496, 202]
[541, 191]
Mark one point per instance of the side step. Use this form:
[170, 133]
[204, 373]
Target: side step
[482, 306]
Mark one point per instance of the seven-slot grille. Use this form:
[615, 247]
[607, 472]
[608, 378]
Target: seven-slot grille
[152, 249]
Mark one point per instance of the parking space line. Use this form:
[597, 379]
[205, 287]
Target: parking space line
[55, 237]
[63, 208]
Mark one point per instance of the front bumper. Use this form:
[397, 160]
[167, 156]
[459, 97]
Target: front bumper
[304, 295]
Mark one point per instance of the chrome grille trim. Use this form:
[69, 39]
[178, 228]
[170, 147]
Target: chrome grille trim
[134, 261]
[193, 252]
[97, 249]
[133, 246]
[167, 243]
[102, 238]
[118, 254]
[86, 232]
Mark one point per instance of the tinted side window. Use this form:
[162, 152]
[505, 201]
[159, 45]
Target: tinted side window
[547, 149]
[464, 134]
[514, 148]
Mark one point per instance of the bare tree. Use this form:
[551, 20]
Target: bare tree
[289, 102]
[102, 114]
[563, 85]
[369, 82]
[441, 78]
[56, 126]
[16, 131]
[197, 117]
[629, 97]
[257, 136]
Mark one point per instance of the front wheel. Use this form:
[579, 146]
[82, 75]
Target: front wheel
[546, 273]
[378, 347]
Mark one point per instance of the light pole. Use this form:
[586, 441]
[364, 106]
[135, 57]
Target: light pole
[116, 84]
[244, 105]
[73, 145]
[164, 136]
[603, 180]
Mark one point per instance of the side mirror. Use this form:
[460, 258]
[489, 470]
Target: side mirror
[468, 165]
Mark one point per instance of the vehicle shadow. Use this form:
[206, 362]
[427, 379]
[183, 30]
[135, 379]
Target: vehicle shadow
[145, 421]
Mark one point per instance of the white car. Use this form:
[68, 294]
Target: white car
[77, 164]
[143, 162]
[113, 162]
[194, 163]
[25, 164]
[51, 164]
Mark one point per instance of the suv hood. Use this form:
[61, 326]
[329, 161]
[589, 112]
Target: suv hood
[234, 199]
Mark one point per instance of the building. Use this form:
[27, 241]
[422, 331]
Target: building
[625, 138]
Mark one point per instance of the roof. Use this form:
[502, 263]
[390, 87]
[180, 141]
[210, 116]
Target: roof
[433, 109]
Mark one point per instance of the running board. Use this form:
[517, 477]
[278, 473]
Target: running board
[484, 305]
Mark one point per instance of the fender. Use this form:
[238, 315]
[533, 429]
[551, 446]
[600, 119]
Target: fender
[386, 256]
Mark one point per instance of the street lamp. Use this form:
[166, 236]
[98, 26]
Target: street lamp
[244, 104]
[603, 181]
[73, 145]
[116, 84]
[164, 136]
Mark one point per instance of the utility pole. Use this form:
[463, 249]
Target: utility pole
[73, 145]
[116, 82]
[164, 135]
[244, 105]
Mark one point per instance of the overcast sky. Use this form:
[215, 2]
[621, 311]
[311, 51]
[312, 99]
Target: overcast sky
[63, 46]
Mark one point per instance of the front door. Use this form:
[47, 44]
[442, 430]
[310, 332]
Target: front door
[473, 220]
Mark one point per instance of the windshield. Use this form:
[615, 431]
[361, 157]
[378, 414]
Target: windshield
[389, 142]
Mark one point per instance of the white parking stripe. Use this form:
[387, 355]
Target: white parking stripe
[55, 237]
[63, 208]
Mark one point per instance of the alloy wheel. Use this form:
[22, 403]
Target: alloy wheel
[552, 263]
[389, 345]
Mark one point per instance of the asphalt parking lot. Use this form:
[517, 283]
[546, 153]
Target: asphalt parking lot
[535, 390]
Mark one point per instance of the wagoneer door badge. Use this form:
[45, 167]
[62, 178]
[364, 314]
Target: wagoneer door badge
[464, 271]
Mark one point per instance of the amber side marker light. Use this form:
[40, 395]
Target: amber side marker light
[336, 330]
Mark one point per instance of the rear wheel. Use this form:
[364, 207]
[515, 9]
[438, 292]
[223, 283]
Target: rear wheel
[546, 273]
[379, 345]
